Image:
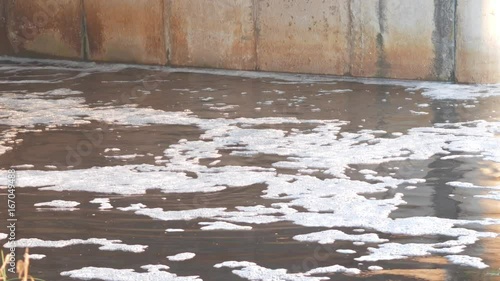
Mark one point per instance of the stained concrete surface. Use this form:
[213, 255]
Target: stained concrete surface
[361, 38]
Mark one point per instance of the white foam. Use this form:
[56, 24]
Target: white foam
[251, 215]
[220, 225]
[334, 269]
[181, 256]
[104, 202]
[345, 251]
[392, 251]
[153, 273]
[23, 166]
[419, 112]
[254, 272]
[36, 256]
[442, 91]
[58, 204]
[491, 196]
[3, 236]
[125, 157]
[329, 237]
[174, 230]
[467, 261]
[105, 244]
[458, 156]
[224, 108]
[375, 268]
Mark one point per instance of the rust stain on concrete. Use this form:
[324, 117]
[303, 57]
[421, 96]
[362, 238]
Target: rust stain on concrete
[304, 36]
[212, 33]
[397, 39]
[126, 31]
[47, 28]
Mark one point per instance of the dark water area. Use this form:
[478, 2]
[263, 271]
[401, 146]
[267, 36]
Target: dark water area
[383, 106]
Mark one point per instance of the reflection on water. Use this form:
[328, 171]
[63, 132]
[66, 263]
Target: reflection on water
[200, 150]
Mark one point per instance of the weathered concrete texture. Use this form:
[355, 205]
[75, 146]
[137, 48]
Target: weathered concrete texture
[303, 36]
[5, 48]
[217, 34]
[478, 41]
[125, 31]
[402, 39]
[44, 28]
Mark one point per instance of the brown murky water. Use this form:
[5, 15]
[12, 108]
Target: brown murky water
[366, 106]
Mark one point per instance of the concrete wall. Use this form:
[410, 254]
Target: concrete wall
[218, 34]
[478, 41]
[50, 28]
[4, 47]
[125, 31]
[303, 36]
[363, 38]
[403, 39]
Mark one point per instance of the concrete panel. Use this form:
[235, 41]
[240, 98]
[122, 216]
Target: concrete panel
[5, 48]
[216, 34]
[303, 36]
[403, 39]
[125, 31]
[478, 41]
[44, 28]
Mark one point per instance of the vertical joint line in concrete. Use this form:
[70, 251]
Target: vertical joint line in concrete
[351, 39]
[256, 31]
[454, 59]
[85, 41]
[166, 6]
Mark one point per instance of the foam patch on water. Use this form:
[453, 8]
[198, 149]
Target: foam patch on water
[36, 256]
[3, 236]
[375, 268]
[467, 261]
[181, 256]
[58, 204]
[491, 196]
[125, 157]
[23, 166]
[105, 244]
[333, 269]
[470, 185]
[345, 251]
[130, 179]
[104, 202]
[174, 230]
[220, 225]
[250, 215]
[153, 273]
[329, 237]
[392, 251]
[442, 91]
[254, 272]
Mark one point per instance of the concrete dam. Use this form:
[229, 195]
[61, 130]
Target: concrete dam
[443, 40]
